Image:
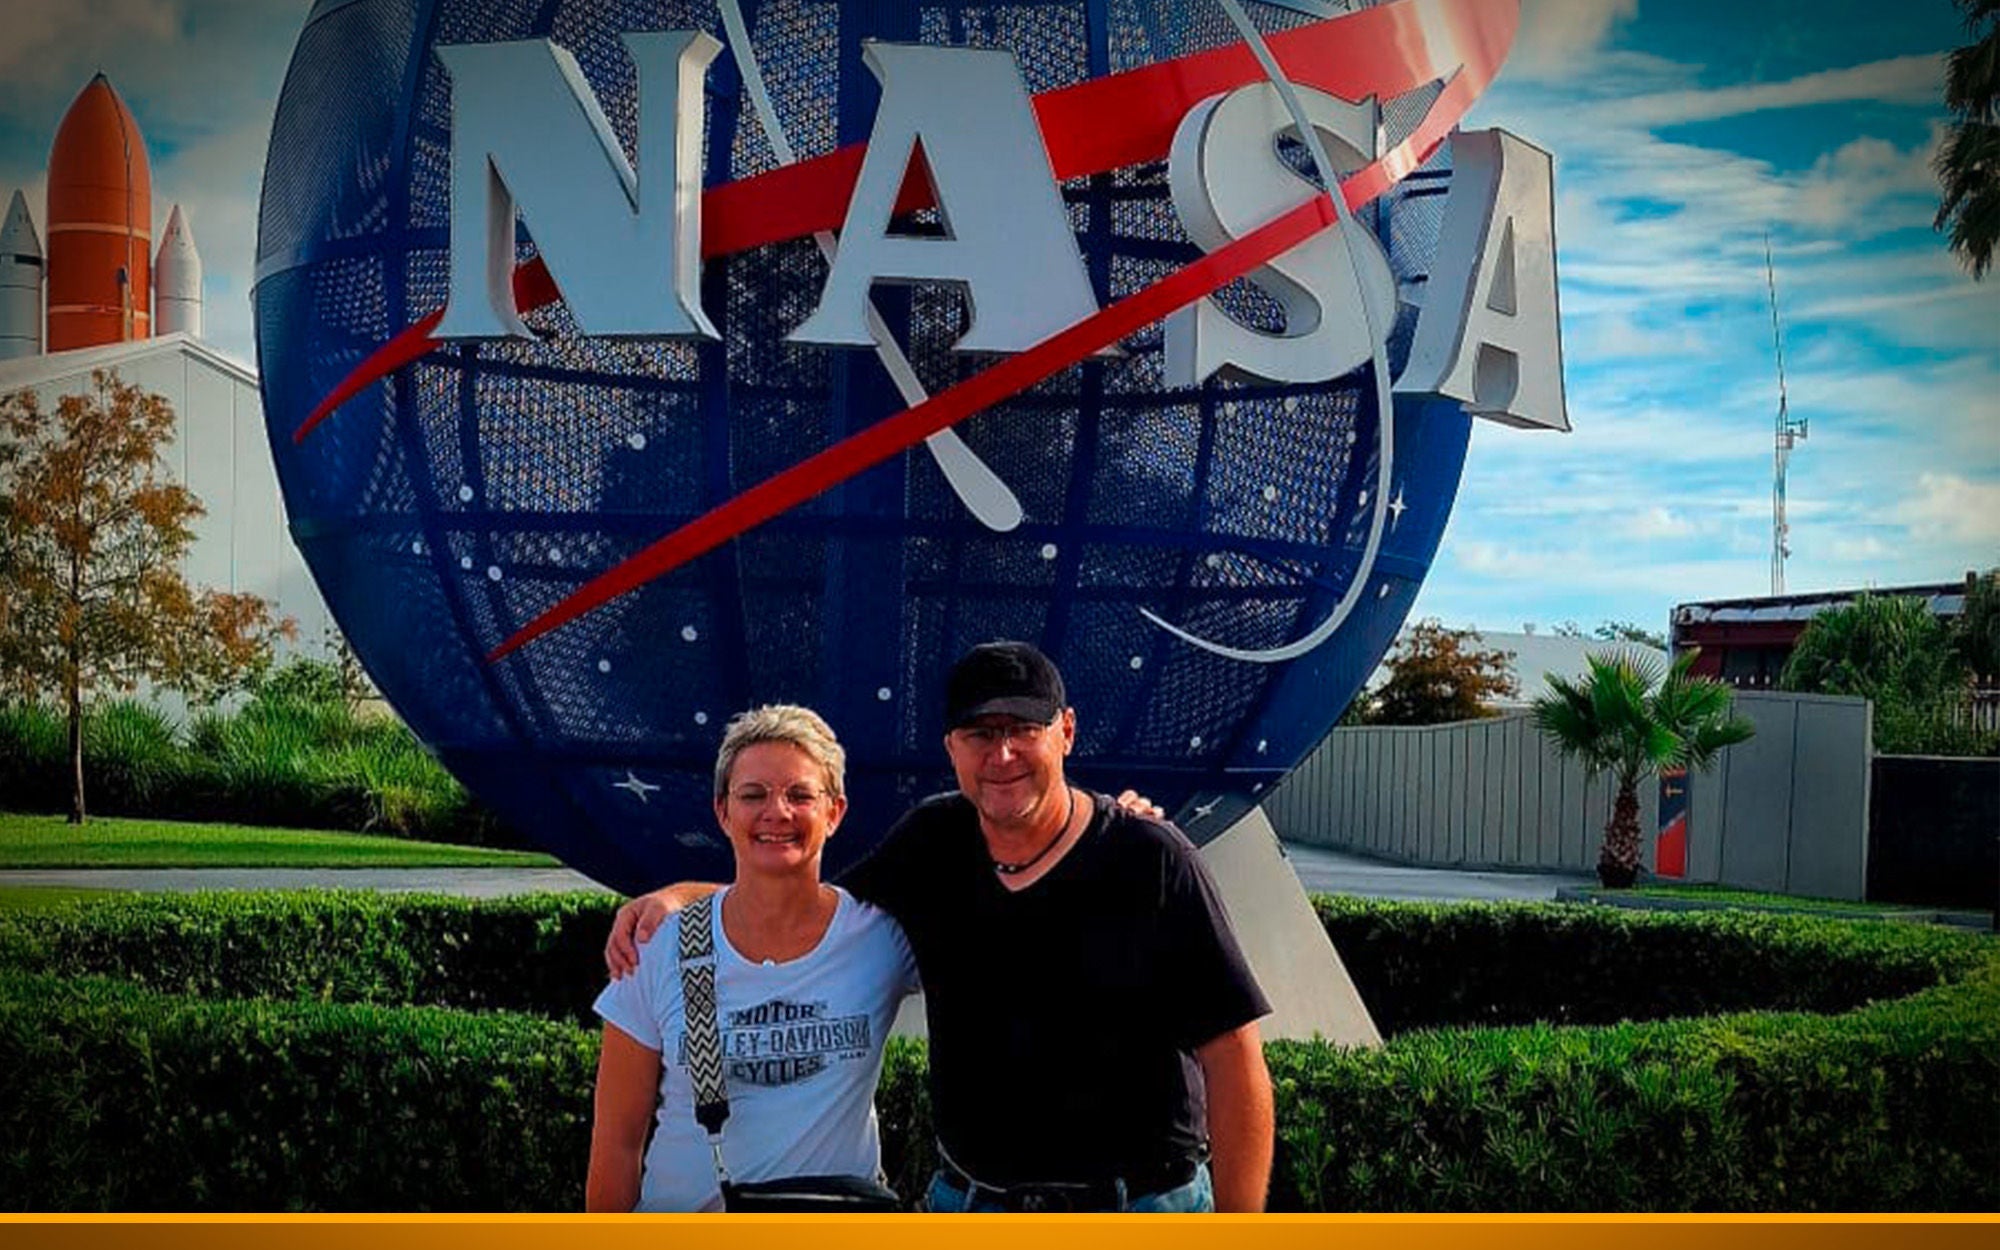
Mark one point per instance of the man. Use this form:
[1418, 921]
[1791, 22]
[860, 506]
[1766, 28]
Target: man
[1092, 1021]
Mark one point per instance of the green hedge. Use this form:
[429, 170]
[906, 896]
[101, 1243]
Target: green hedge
[1431, 965]
[538, 953]
[116, 1095]
[114, 1098]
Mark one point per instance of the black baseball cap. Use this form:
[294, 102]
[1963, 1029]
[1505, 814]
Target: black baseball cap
[1003, 679]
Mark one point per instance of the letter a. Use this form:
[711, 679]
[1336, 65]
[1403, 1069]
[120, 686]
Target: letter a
[1489, 335]
[624, 248]
[1009, 242]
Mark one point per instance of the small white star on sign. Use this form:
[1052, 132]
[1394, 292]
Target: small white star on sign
[1201, 810]
[1397, 505]
[640, 789]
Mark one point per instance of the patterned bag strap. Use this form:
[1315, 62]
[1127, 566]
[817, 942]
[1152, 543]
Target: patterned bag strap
[704, 1040]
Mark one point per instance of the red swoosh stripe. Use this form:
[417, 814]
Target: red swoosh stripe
[1089, 128]
[906, 429]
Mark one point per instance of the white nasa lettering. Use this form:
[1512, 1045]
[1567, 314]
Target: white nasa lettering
[1489, 335]
[1009, 241]
[1227, 179]
[624, 248]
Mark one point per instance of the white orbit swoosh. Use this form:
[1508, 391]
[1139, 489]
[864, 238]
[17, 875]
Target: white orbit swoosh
[990, 500]
[1384, 399]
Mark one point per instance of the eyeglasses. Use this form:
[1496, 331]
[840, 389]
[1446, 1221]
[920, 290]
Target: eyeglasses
[1021, 735]
[793, 796]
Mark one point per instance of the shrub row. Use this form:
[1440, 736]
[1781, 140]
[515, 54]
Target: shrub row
[116, 1098]
[115, 1095]
[1416, 965]
[540, 954]
[280, 760]
[1427, 965]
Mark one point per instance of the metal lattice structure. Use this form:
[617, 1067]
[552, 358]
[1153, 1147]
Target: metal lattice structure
[464, 494]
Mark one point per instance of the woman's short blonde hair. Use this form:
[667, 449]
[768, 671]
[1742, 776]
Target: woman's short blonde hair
[787, 723]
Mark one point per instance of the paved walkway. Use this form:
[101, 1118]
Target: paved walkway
[1335, 872]
[1319, 869]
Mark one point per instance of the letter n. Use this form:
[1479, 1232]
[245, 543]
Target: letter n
[528, 135]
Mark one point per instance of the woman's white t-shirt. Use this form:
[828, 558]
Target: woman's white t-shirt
[801, 1053]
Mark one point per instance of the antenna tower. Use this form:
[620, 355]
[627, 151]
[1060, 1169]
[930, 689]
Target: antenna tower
[1789, 434]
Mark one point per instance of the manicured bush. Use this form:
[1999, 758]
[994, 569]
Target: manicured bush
[116, 1095]
[529, 953]
[1428, 965]
[115, 1098]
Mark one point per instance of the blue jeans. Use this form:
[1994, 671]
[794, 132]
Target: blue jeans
[1197, 1195]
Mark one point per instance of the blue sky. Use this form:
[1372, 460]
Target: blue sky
[1682, 132]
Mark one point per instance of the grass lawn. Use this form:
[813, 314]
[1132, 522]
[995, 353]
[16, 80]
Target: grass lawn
[1755, 898]
[115, 842]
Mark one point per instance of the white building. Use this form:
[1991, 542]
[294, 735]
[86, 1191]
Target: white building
[1534, 657]
[243, 544]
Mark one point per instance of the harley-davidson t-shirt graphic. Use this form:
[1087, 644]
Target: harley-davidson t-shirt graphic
[781, 1042]
[801, 1047]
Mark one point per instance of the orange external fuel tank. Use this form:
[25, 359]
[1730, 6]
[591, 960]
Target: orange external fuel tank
[100, 215]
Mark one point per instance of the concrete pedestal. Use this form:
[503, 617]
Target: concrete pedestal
[1310, 991]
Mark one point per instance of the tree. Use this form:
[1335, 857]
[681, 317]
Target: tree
[1979, 625]
[1438, 675]
[1627, 719]
[1614, 631]
[91, 595]
[1894, 652]
[1968, 161]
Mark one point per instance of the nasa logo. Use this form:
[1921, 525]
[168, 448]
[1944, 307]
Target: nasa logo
[1141, 256]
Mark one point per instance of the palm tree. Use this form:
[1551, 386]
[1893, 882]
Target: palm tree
[1629, 721]
[1968, 161]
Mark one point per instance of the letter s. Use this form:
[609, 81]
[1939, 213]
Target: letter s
[1227, 179]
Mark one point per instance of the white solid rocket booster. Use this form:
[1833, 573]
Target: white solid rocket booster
[177, 280]
[21, 271]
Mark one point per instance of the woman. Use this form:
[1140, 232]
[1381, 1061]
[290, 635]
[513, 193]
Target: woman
[808, 980]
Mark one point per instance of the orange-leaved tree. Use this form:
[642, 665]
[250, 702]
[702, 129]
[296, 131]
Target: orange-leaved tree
[1439, 675]
[92, 534]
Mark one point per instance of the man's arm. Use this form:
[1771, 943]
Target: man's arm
[639, 919]
[628, 1084]
[1241, 1119]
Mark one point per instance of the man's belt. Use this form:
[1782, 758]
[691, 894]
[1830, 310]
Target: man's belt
[1106, 1194]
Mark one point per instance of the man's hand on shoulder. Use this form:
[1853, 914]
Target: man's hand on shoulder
[639, 919]
[1139, 805]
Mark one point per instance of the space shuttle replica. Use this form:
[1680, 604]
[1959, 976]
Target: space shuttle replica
[105, 281]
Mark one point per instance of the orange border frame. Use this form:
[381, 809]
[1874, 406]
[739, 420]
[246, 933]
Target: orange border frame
[1004, 1232]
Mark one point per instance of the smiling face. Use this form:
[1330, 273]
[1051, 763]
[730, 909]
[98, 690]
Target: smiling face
[778, 809]
[1012, 769]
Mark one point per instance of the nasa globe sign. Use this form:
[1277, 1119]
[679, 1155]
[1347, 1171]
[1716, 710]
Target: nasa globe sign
[631, 364]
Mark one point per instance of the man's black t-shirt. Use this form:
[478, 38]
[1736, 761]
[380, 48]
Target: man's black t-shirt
[1063, 1017]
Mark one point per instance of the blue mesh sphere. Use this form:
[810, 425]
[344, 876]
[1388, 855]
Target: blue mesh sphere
[465, 493]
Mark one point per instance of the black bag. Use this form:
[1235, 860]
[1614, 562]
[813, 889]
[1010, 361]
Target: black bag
[711, 1100]
[814, 1194]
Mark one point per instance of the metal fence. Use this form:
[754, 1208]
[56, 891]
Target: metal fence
[1787, 810]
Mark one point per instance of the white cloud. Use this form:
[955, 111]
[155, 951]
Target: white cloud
[1955, 508]
[53, 43]
[1555, 34]
[1657, 522]
[1853, 181]
[1900, 80]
